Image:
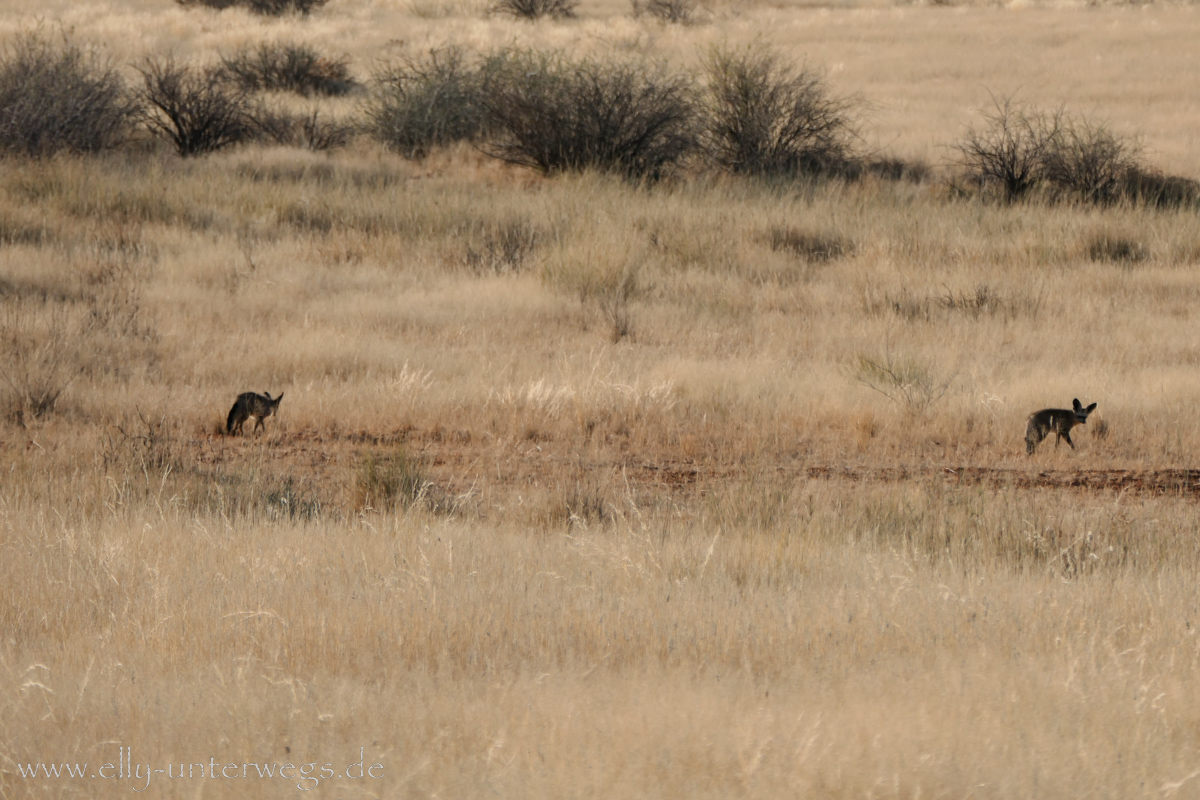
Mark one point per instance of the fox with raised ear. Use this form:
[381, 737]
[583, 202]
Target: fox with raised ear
[1058, 421]
[249, 404]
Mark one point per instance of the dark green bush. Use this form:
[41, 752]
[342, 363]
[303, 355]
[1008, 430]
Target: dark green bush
[766, 117]
[56, 96]
[554, 114]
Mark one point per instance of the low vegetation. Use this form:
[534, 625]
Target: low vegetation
[689, 467]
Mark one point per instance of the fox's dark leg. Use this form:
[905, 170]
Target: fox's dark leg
[1067, 435]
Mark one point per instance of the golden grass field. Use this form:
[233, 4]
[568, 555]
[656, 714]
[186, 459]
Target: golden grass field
[663, 540]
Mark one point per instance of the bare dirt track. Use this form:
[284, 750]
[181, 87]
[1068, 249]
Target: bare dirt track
[493, 470]
[1185, 482]
[1150, 481]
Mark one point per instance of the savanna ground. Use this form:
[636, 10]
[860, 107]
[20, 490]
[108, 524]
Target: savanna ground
[584, 489]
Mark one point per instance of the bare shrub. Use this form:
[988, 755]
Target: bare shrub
[1066, 157]
[671, 11]
[1089, 162]
[306, 129]
[554, 115]
[910, 383]
[193, 109]
[427, 102]
[318, 133]
[272, 123]
[56, 96]
[273, 8]
[766, 117]
[288, 67]
[1011, 152]
[150, 445]
[535, 9]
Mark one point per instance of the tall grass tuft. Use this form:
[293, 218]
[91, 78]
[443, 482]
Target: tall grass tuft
[384, 482]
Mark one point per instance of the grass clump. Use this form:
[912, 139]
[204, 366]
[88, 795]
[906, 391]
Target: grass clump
[389, 481]
[55, 96]
[1114, 248]
[39, 360]
[557, 115]
[503, 247]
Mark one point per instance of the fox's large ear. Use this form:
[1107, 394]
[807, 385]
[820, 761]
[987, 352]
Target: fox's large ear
[1090, 408]
[1078, 406]
[268, 396]
[277, 399]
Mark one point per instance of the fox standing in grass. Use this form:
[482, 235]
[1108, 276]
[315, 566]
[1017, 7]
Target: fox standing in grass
[1055, 420]
[249, 404]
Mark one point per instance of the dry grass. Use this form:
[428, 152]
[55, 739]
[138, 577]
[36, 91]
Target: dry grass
[539, 514]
